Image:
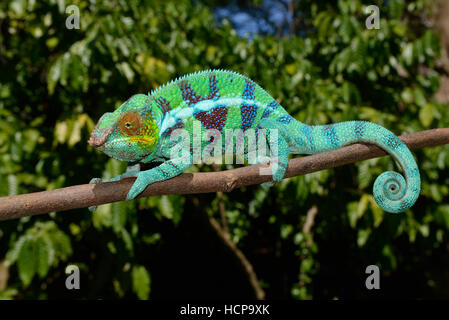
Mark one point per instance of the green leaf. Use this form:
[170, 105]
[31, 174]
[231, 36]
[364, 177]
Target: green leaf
[426, 115]
[420, 99]
[8, 294]
[127, 240]
[442, 216]
[126, 70]
[141, 282]
[61, 130]
[407, 54]
[45, 255]
[62, 245]
[75, 133]
[396, 7]
[166, 207]
[388, 253]
[118, 216]
[13, 254]
[363, 236]
[378, 213]
[27, 262]
[407, 95]
[53, 76]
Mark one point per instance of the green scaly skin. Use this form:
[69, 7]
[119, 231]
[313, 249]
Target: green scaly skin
[141, 129]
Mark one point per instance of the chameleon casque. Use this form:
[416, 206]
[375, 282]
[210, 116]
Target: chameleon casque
[139, 131]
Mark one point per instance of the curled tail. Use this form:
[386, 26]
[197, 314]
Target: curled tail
[392, 192]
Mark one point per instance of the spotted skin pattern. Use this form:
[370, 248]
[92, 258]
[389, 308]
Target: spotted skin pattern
[140, 131]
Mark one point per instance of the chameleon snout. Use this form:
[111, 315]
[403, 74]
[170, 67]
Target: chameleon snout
[94, 142]
[98, 139]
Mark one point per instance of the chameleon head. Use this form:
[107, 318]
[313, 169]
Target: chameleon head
[129, 133]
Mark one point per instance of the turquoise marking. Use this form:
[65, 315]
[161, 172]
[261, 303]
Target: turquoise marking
[285, 119]
[331, 135]
[359, 129]
[307, 130]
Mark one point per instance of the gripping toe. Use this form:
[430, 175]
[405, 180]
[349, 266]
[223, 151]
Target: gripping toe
[267, 185]
[94, 181]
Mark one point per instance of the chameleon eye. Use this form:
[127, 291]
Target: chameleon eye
[129, 124]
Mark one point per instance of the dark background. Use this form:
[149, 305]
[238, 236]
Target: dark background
[322, 64]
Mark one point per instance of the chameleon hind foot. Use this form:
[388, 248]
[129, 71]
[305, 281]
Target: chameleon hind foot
[279, 151]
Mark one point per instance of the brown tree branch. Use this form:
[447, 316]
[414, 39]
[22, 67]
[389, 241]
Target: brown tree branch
[187, 183]
[221, 206]
[225, 237]
[310, 221]
[223, 233]
[307, 230]
[247, 266]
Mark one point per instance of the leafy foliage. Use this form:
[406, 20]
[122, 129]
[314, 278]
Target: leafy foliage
[39, 248]
[56, 82]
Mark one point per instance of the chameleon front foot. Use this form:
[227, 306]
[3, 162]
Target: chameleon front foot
[142, 181]
[98, 180]
[95, 181]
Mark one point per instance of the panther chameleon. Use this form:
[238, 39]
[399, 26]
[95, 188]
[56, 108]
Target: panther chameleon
[140, 131]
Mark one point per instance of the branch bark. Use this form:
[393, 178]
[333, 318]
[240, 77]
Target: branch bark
[85, 195]
[247, 266]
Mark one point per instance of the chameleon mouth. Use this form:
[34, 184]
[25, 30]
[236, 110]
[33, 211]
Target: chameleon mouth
[98, 139]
